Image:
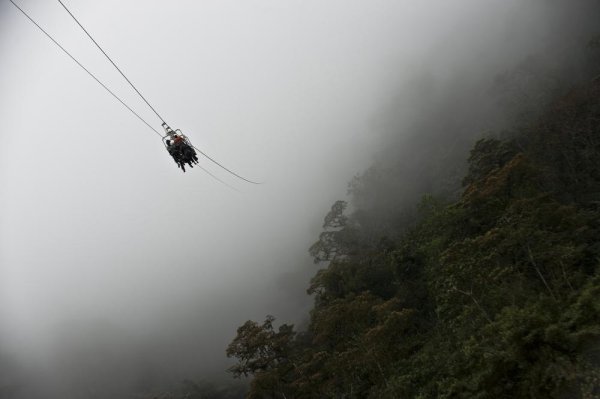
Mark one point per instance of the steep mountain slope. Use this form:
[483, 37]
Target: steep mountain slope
[494, 295]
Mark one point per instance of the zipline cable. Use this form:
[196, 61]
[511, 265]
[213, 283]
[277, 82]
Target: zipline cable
[121, 101]
[85, 69]
[105, 87]
[219, 180]
[137, 91]
[230, 171]
[111, 61]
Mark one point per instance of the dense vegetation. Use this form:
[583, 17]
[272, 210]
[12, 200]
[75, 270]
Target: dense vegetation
[490, 295]
[450, 279]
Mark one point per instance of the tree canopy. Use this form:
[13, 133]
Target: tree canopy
[490, 295]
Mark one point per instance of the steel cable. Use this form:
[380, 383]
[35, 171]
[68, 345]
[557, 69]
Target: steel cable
[228, 170]
[85, 69]
[111, 61]
[122, 102]
[105, 87]
[140, 94]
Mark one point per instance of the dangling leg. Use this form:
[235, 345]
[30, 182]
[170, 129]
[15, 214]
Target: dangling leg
[187, 155]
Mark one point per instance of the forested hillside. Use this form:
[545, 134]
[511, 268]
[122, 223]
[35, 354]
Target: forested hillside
[493, 294]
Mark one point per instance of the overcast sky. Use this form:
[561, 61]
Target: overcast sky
[97, 224]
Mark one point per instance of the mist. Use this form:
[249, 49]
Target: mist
[118, 273]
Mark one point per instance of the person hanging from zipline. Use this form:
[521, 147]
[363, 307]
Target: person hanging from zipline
[180, 148]
[178, 145]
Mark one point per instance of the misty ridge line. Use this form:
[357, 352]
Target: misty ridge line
[445, 299]
[376, 259]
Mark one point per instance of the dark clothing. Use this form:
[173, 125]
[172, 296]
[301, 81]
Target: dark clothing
[182, 153]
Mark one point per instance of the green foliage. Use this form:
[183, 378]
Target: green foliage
[260, 347]
[486, 156]
[492, 296]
